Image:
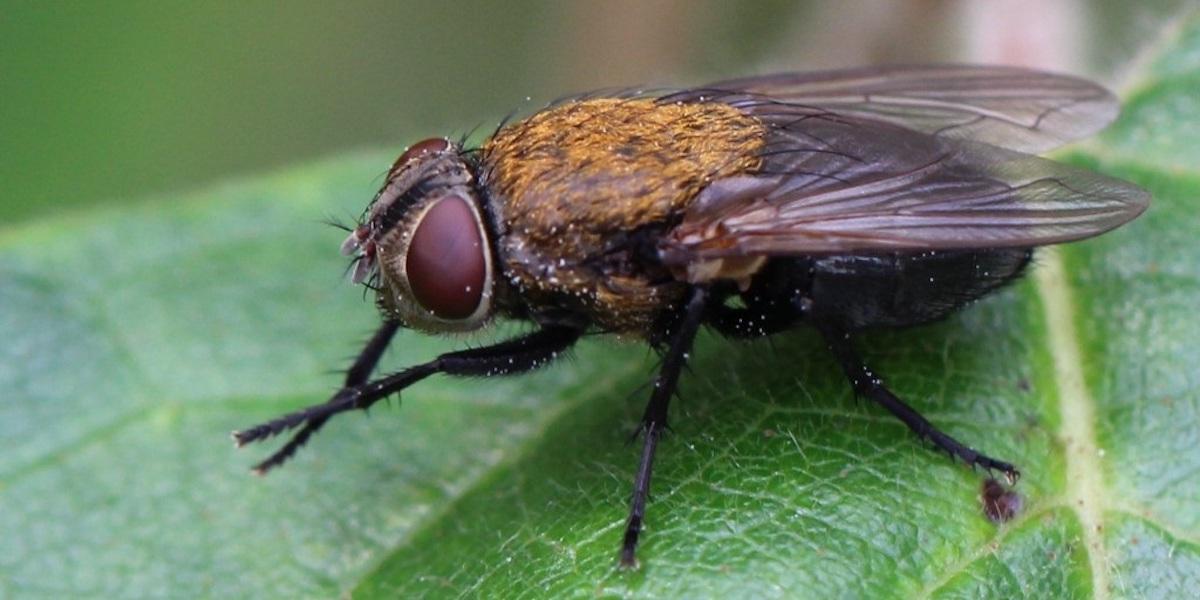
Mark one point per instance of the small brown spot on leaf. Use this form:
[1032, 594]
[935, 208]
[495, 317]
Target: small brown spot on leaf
[1000, 504]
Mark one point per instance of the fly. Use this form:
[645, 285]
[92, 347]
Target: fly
[842, 200]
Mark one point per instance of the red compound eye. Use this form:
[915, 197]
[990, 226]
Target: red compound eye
[446, 264]
[421, 148]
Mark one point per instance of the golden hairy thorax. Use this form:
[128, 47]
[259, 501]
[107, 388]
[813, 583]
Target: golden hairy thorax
[567, 182]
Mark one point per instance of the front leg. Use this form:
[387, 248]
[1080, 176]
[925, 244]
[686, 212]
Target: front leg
[513, 356]
[357, 374]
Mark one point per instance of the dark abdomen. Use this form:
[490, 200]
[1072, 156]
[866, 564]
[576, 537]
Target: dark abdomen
[885, 290]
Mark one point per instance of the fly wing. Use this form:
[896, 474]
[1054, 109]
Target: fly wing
[841, 183]
[1012, 107]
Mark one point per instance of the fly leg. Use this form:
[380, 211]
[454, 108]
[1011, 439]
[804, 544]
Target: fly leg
[868, 384]
[654, 420]
[513, 356]
[357, 374]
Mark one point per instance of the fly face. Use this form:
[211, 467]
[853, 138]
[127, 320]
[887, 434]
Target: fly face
[423, 242]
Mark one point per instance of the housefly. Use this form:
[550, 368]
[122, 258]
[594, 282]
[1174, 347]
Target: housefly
[843, 200]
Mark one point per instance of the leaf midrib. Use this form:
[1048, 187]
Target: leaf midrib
[1085, 485]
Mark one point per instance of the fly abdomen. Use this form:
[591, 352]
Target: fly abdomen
[901, 289]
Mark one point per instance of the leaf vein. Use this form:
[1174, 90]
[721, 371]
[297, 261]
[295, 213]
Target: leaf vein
[1085, 486]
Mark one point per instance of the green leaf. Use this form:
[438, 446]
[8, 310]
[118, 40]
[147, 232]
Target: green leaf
[135, 339]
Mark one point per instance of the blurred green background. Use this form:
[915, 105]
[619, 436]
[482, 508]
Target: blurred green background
[117, 100]
[106, 100]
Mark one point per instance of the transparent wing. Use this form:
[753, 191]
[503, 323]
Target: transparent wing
[836, 183]
[1012, 107]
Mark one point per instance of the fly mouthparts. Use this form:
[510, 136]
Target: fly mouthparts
[362, 268]
[355, 240]
[351, 244]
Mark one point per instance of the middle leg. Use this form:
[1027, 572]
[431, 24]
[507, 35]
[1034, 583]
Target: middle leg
[654, 420]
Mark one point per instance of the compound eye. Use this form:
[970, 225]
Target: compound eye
[446, 264]
[419, 149]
